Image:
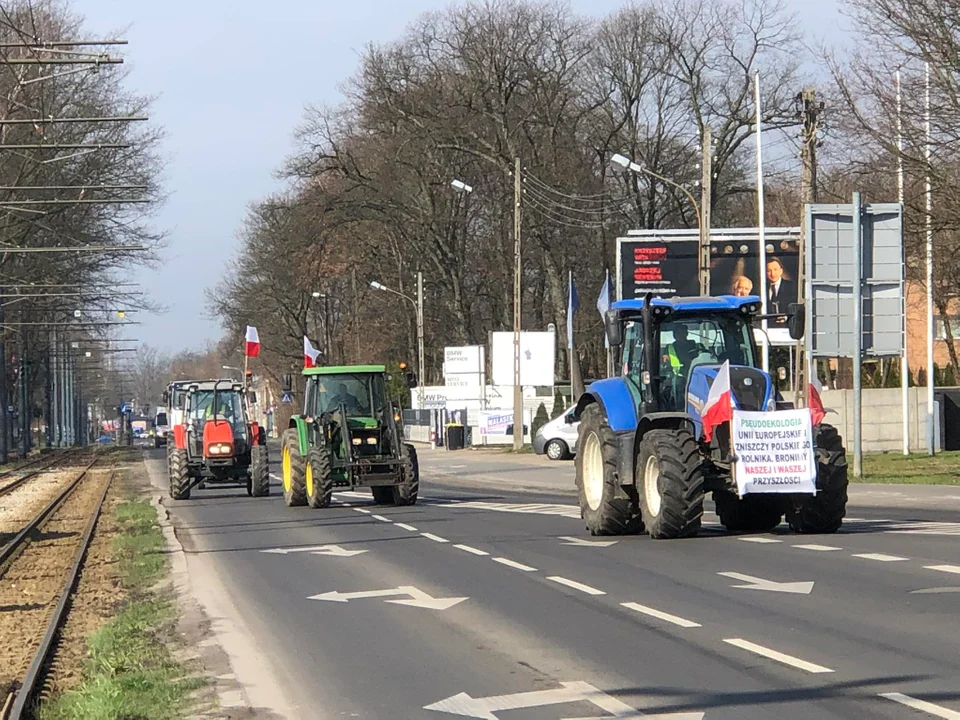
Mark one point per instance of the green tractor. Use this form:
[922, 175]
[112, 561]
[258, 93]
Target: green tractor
[350, 435]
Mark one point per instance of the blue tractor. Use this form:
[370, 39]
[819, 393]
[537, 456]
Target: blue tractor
[643, 462]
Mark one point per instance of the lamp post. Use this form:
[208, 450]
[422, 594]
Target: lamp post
[418, 305]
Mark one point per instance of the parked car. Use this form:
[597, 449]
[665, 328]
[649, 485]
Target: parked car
[558, 438]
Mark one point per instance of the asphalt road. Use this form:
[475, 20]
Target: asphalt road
[489, 601]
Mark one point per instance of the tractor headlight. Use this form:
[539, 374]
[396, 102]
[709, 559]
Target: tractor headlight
[371, 441]
[220, 449]
[357, 441]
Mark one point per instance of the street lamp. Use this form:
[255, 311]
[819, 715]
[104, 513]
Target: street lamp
[418, 305]
[229, 367]
[461, 186]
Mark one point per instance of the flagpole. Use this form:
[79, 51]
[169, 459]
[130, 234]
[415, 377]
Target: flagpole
[606, 340]
[761, 224]
[573, 390]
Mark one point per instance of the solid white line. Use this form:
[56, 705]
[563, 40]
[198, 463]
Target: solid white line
[778, 656]
[880, 557]
[661, 615]
[514, 565]
[471, 550]
[576, 586]
[411, 528]
[923, 706]
[381, 518]
[955, 569]
[435, 538]
[362, 510]
[760, 540]
[817, 548]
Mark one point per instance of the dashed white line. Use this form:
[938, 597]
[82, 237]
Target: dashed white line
[435, 538]
[955, 569]
[514, 565]
[471, 550]
[575, 585]
[817, 548]
[346, 504]
[923, 706]
[381, 518]
[362, 510]
[778, 656]
[760, 540]
[411, 528]
[880, 557]
[661, 615]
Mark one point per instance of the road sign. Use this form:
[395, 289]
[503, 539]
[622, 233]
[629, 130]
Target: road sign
[569, 692]
[286, 398]
[418, 598]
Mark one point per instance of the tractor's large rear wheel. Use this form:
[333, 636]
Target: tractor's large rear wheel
[752, 513]
[293, 465]
[669, 479]
[179, 475]
[603, 506]
[259, 471]
[824, 512]
[409, 488]
[318, 478]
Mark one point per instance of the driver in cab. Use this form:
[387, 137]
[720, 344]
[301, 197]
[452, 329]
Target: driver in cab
[682, 352]
[344, 397]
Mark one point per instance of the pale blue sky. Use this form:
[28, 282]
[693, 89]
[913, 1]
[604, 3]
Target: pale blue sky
[232, 80]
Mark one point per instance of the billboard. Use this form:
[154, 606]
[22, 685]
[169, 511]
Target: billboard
[538, 352]
[666, 263]
[464, 366]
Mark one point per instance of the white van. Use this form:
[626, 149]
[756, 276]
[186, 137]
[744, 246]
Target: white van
[161, 427]
[558, 438]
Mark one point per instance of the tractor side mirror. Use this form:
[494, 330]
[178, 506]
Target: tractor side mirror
[286, 383]
[166, 397]
[252, 397]
[796, 324]
[412, 380]
[613, 328]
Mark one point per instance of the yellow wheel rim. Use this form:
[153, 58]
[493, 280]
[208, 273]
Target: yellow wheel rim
[287, 471]
[309, 479]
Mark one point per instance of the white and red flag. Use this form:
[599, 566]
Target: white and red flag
[252, 348]
[310, 354]
[814, 401]
[719, 406]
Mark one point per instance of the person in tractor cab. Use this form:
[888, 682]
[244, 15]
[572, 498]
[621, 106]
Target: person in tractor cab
[682, 351]
[344, 397]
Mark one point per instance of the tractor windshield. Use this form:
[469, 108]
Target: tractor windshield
[229, 407]
[361, 395]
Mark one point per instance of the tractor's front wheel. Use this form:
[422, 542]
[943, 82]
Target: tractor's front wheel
[602, 506]
[407, 491]
[752, 513]
[293, 466]
[259, 482]
[179, 475]
[824, 512]
[318, 479]
[669, 479]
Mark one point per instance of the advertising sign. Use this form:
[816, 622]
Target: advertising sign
[495, 422]
[537, 358]
[461, 360]
[774, 452]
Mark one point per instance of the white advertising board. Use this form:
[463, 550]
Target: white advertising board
[774, 452]
[464, 366]
[537, 358]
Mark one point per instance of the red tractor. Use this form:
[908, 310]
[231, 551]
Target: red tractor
[217, 443]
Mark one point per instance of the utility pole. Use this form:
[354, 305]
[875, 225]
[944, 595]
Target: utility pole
[706, 188]
[420, 357]
[356, 315]
[809, 111]
[517, 270]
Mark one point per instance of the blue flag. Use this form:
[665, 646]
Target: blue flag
[573, 304]
[603, 304]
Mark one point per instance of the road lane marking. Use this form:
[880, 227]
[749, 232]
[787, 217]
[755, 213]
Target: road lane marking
[817, 548]
[381, 518]
[760, 540]
[346, 504]
[583, 542]
[435, 538]
[568, 511]
[514, 565]
[922, 706]
[880, 557]
[755, 583]
[575, 585]
[955, 569]
[418, 598]
[661, 615]
[778, 656]
[471, 550]
[332, 550]
[411, 528]
[362, 510]
[936, 591]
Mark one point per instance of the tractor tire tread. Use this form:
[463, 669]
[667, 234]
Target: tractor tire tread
[297, 496]
[408, 490]
[319, 462]
[259, 471]
[681, 465]
[824, 513]
[179, 475]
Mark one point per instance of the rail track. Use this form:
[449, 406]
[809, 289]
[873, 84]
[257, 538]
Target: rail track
[21, 692]
[14, 484]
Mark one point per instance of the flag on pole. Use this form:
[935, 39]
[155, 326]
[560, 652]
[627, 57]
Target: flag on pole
[310, 354]
[719, 406]
[603, 304]
[817, 411]
[252, 348]
[573, 304]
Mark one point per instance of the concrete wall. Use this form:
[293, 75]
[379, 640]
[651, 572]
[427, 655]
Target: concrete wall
[881, 427]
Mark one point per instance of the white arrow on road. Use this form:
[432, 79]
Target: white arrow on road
[583, 542]
[418, 598]
[570, 692]
[331, 550]
[755, 583]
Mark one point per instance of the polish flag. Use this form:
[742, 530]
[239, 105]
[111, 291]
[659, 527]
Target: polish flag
[310, 354]
[814, 401]
[719, 405]
[253, 342]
